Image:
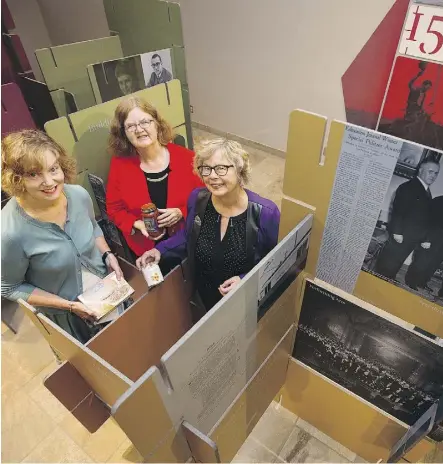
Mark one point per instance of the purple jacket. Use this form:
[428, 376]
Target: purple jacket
[261, 228]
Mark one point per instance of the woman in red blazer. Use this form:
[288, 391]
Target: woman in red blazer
[146, 168]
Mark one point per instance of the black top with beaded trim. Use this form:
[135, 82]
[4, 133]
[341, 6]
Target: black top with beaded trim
[218, 260]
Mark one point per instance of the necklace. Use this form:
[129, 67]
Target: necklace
[159, 179]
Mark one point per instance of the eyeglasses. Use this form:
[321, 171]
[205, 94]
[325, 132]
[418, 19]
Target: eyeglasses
[144, 124]
[156, 65]
[220, 170]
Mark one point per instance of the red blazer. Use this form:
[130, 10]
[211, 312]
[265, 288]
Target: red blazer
[127, 191]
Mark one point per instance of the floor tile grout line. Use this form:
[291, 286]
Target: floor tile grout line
[321, 441]
[266, 448]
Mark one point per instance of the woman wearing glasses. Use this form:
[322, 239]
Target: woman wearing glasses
[146, 168]
[228, 229]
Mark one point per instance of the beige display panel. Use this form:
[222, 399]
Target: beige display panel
[103, 379]
[343, 416]
[142, 415]
[242, 416]
[308, 184]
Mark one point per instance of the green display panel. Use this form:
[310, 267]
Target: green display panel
[147, 25]
[64, 66]
[144, 25]
[64, 102]
[88, 139]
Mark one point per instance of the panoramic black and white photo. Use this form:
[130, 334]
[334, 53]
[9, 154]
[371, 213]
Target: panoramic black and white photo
[384, 362]
[407, 244]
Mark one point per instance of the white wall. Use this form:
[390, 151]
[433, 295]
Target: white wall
[31, 28]
[69, 21]
[250, 62]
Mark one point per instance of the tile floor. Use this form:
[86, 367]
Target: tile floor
[281, 436]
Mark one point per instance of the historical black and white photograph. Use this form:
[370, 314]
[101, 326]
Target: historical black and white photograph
[157, 67]
[407, 244]
[383, 362]
[118, 78]
[282, 265]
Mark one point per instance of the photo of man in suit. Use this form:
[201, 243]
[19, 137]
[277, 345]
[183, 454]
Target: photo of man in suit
[409, 223]
[160, 74]
[427, 260]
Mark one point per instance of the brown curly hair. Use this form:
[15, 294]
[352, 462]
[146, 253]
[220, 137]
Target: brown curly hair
[23, 153]
[118, 143]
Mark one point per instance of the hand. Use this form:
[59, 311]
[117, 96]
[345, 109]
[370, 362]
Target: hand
[112, 264]
[140, 225]
[151, 256]
[82, 311]
[398, 238]
[228, 285]
[426, 245]
[169, 217]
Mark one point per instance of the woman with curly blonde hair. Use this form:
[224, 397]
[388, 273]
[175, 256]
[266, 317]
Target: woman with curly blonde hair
[52, 245]
[146, 168]
[229, 229]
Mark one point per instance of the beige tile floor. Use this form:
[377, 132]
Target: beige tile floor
[36, 428]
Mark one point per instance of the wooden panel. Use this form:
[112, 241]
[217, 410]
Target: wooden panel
[272, 327]
[310, 183]
[147, 329]
[142, 415]
[64, 66]
[203, 449]
[60, 130]
[104, 380]
[69, 387]
[244, 413]
[341, 415]
[135, 279]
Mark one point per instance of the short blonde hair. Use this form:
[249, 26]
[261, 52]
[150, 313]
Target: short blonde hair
[23, 152]
[233, 151]
[118, 143]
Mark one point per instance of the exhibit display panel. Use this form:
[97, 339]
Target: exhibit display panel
[352, 188]
[208, 367]
[233, 360]
[147, 25]
[347, 178]
[64, 102]
[15, 111]
[38, 99]
[64, 66]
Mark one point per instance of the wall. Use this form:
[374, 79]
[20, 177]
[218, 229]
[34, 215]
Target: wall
[251, 62]
[30, 26]
[69, 21]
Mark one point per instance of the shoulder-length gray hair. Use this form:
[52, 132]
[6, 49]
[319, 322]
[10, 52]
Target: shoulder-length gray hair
[233, 151]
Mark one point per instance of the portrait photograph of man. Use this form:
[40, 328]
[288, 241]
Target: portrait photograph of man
[157, 67]
[407, 244]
